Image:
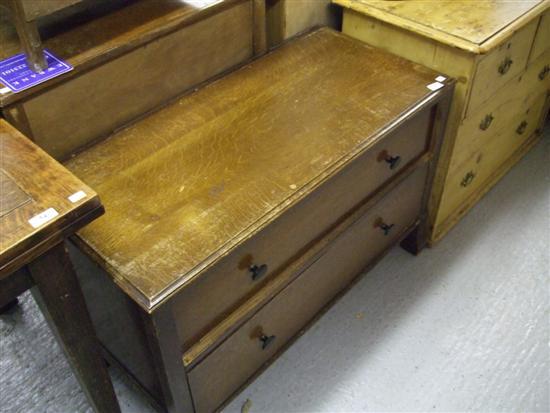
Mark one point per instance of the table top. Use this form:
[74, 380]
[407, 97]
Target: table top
[475, 26]
[189, 183]
[41, 202]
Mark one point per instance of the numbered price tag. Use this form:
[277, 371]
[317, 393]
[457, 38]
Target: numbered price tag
[16, 75]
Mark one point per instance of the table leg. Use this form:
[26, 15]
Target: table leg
[60, 298]
[28, 37]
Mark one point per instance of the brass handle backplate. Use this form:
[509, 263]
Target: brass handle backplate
[505, 66]
[486, 122]
[258, 271]
[468, 178]
[521, 128]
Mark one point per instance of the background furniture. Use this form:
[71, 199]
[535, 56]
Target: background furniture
[41, 204]
[236, 213]
[126, 64]
[287, 18]
[500, 53]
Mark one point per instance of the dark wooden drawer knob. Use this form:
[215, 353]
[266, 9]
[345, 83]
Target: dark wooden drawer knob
[386, 228]
[468, 178]
[258, 271]
[544, 72]
[505, 66]
[486, 122]
[266, 341]
[521, 128]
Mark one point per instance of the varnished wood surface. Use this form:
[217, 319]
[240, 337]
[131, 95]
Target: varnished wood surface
[104, 38]
[187, 184]
[35, 183]
[464, 24]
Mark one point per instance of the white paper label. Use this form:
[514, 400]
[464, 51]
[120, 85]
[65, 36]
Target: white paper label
[435, 86]
[77, 196]
[5, 90]
[440, 78]
[43, 217]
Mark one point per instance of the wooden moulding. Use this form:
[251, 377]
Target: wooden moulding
[412, 15]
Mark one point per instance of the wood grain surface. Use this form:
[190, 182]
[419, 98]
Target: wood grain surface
[35, 182]
[460, 23]
[187, 184]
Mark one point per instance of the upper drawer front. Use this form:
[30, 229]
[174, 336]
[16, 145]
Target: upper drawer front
[509, 102]
[200, 305]
[243, 353]
[501, 65]
[472, 174]
[542, 38]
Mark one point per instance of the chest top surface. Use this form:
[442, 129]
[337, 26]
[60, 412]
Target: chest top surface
[465, 24]
[190, 182]
[31, 184]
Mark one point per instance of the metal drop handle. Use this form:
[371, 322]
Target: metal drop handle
[468, 178]
[486, 122]
[258, 271]
[393, 161]
[266, 341]
[545, 70]
[386, 228]
[521, 128]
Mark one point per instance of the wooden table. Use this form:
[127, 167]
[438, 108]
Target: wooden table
[41, 204]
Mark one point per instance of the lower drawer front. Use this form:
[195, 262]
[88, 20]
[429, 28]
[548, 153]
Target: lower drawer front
[226, 285]
[229, 366]
[470, 176]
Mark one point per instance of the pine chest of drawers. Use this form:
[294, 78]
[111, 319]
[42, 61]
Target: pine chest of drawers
[499, 51]
[237, 213]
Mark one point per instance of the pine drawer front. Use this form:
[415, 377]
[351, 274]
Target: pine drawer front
[542, 38]
[470, 176]
[501, 65]
[233, 279]
[508, 102]
[223, 371]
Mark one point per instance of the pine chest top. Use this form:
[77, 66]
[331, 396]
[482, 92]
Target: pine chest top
[475, 26]
[186, 185]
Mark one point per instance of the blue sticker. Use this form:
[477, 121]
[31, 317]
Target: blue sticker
[17, 76]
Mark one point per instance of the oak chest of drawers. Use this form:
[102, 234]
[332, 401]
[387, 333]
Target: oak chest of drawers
[499, 51]
[237, 213]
